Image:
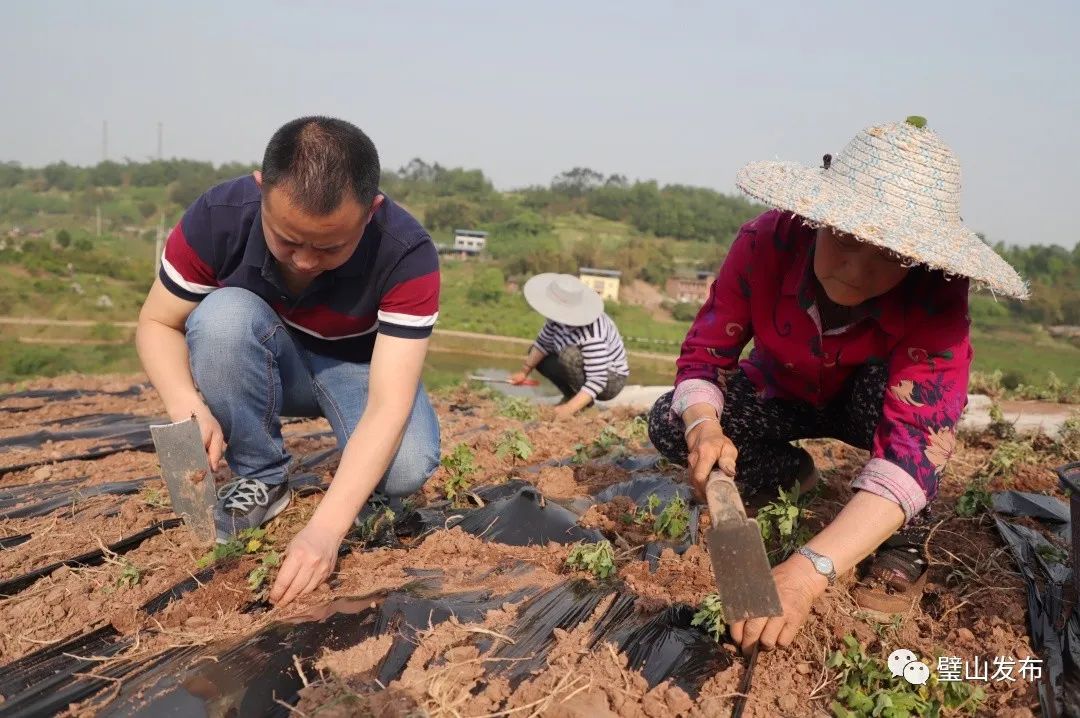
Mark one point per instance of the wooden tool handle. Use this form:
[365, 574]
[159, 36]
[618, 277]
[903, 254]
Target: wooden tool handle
[723, 498]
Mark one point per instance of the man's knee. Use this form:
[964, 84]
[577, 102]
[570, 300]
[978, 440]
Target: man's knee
[418, 456]
[228, 317]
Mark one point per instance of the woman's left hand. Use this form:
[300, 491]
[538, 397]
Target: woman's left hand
[798, 586]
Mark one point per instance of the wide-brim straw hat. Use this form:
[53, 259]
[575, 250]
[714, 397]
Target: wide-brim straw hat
[563, 298]
[897, 186]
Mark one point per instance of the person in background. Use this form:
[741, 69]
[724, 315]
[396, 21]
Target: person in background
[579, 348]
[300, 290]
[855, 294]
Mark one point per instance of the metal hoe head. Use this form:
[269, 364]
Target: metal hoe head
[744, 579]
[186, 470]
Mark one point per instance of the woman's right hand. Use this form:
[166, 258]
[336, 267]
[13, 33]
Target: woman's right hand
[708, 447]
[212, 436]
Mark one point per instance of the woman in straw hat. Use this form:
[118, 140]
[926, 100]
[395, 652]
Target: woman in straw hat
[854, 291]
[579, 348]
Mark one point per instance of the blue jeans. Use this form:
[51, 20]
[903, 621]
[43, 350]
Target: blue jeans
[251, 372]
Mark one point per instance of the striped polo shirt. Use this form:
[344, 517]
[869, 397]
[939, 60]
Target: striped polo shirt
[389, 286]
[602, 349]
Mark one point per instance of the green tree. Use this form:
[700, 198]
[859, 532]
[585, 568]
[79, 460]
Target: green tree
[63, 238]
[488, 286]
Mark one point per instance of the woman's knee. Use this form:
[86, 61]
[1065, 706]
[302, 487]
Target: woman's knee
[665, 431]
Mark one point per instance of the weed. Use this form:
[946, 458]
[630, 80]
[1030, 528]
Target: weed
[1068, 441]
[130, 575]
[867, 687]
[259, 574]
[460, 466]
[376, 522]
[1052, 554]
[155, 498]
[710, 616]
[674, 520]
[597, 558]
[998, 426]
[1008, 455]
[514, 407]
[780, 522]
[515, 445]
[974, 501]
[245, 542]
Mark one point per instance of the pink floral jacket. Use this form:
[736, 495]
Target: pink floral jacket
[919, 331]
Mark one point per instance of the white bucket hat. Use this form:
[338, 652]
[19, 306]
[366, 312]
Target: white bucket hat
[896, 186]
[563, 298]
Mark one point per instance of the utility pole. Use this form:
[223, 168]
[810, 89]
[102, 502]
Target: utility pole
[159, 128]
[99, 221]
[104, 141]
[158, 244]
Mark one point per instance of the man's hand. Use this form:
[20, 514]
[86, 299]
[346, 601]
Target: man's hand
[798, 585]
[518, 379]
[308, 562]
[212, 436]
[708, 447]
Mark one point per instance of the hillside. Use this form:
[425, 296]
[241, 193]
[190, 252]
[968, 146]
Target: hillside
[78, 243]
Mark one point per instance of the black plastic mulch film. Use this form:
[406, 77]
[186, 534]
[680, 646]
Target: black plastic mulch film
[115, 432]
[1052, 586]
[246, 675]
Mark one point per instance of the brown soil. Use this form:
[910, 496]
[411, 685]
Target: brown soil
[618, 519]
[974, 603]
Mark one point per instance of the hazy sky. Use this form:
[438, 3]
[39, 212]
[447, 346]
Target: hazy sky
[680, 92]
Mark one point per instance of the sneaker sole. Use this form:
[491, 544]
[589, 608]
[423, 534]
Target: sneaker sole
[275, 508]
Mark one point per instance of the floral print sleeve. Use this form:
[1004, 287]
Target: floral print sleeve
[925, 395]
[710, 352]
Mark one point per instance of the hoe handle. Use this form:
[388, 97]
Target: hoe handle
[722, 495]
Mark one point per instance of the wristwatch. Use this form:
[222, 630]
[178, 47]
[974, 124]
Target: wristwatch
[822, 564]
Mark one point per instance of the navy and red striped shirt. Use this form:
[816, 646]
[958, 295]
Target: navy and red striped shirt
[389, 286]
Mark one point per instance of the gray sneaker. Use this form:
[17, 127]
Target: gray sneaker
[248, 504]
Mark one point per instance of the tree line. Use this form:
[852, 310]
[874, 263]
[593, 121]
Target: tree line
[520, 222]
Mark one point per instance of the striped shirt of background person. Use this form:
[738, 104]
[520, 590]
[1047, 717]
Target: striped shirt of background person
[601, 347]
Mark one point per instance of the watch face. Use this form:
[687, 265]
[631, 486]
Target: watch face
[823, 564]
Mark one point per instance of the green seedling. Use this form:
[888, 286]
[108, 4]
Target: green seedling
[674, 520]
[514, 407]
[608, 439]
[246, 542]
[710, 617]
[868, 688]
[635, 431]
[780, 522]
[597, 558]
[515, 445]
[644, 516]
[460, 465]
[155, 498]
[130, 575]
[259, 574]
[975, 500]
